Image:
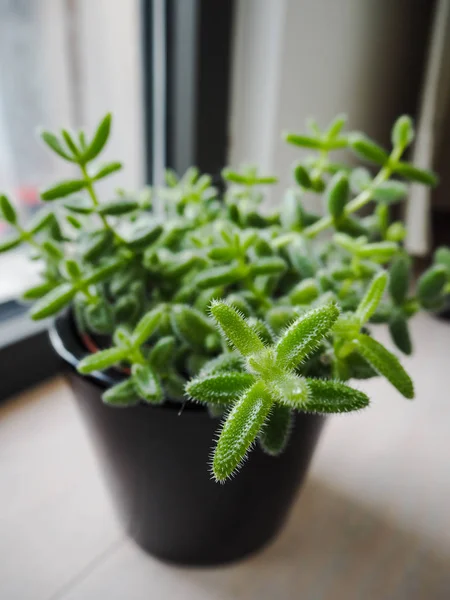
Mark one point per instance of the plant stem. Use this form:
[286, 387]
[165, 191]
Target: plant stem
[95, 202]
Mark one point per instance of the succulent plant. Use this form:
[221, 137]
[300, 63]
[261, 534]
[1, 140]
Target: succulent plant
[202, 296]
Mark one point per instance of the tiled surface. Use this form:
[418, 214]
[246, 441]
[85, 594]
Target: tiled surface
[372, 523]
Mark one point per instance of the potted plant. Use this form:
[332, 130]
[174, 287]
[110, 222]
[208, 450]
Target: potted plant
[220, 328]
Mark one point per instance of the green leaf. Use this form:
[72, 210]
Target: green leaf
[38, 291]
[99, 140]
[327, 396]
[79, 205]
[104, 272]
[396, 232]
[222, 253]
[70, 143]
[233, 177]
[301, 176]
[74, 222]
[219, 388]
[95, 244]
[10, 242]
[63, 189]
[365, 148]
[240, 429]
[276, 431]
[360, 179]
[162, 353]
[431, 284]
[100, 318]
[305, 335]
[303, 141]
[372, 298]
[42, 221]
[280, 317]
[126, 308]
[144, 237]
[53, 142]
[336, 194]
[402, 132]
[386, 364]
[147, 384]
[390, 191]
[335, 127]
[262, 330]
[191, 325]
[268, 266]
[399, 277]
[304, 292]
[378, 251]
[121, 394]
[8, 211]
[358, 367]
[235, 328]
[229, 361]
[442, 257]
[217, 276]
[105, 170]
[147, 325]
[292, 213]
[101, 360]
[398, 328]
[53, 302]
[412, 173]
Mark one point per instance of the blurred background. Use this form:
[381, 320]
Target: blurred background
[210, 83]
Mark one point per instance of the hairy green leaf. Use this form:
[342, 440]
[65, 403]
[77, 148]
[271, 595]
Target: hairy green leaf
[147, 384]
[268, 266]
[223, 275]
[336, 194]
[399, 275]
[219, 388]
[53, 302]
[390, 191]
[63, 189]
[105, 170]
[228, 361]
[53, 142]
[275, 434]
[301, 176]
[162, 353]
[147, 325]
[398, 328]
[372, 298]
[367, 149]
[304, 292]
[235, 328]
[305, 335]
[121, 395]
[7, 209]
[386, 363]
[191, 325]
[242, 425]
[412, 173]
[117, 207]
[10, 242]
[402, 132]
[333, 397]
[431, 284]
[99, 140]
[101, 360]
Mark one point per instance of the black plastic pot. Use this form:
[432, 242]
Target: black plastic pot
[156, 463]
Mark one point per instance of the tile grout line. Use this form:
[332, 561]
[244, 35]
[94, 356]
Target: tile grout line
[88, 569]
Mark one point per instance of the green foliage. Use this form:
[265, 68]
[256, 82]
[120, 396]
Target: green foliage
[206, 297]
